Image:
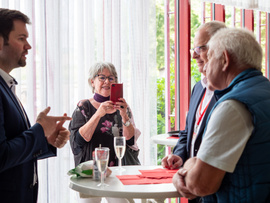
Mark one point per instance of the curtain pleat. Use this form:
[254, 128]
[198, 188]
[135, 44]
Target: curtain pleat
[67, 37]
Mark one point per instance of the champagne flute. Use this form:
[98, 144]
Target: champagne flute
[120, 148]
[102, 158]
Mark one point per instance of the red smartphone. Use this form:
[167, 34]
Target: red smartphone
[116, 91]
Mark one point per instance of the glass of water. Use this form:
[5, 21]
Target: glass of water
[102, 159]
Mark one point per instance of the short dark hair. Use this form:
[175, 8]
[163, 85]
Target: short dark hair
[7, 18]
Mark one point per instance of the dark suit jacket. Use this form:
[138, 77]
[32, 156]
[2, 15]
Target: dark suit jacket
[20, 148]
[183, 145]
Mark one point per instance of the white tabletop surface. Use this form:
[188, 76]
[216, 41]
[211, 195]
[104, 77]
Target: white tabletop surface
[116, 189]
[162, 139]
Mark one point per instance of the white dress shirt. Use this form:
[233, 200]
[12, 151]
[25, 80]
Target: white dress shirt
[204, 104]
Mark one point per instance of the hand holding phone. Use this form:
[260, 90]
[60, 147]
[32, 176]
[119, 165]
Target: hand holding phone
[116, 92]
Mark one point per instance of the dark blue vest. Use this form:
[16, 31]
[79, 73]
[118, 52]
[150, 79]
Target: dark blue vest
[250, 181]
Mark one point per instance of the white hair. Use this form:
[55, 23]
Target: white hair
[241, 45]
[98, 67]
[212, 27]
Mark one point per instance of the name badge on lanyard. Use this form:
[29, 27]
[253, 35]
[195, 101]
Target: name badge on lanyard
[201, 114]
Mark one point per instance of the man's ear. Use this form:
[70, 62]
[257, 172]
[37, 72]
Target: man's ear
[225, 60]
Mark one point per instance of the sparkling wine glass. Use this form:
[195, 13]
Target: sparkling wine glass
[120, 148]
[102, 158]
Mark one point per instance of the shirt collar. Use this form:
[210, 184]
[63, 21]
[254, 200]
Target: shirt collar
[8, 78]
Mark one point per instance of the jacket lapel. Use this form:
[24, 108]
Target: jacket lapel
[193, 114]
[15, 101]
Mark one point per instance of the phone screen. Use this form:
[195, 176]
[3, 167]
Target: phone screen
[116, 91]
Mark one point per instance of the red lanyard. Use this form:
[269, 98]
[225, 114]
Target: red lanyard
[201, 114]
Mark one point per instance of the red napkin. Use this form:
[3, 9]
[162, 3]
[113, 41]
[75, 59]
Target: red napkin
[155, 176]
[172, 137]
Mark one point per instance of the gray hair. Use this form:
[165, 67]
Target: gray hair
[96, 68]
[241, 45]
[212, 27]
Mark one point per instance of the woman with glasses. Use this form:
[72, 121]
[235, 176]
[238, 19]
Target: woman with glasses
[98, 120]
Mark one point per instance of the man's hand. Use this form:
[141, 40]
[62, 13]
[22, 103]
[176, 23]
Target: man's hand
[180, 185]
[60, 136]
[172, 161]
[53, 128]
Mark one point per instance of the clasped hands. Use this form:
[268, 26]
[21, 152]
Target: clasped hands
[54, 131]
[173, 162]
[180, 184]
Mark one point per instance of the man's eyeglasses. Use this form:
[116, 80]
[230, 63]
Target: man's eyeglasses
[102, 78]
[198, 49]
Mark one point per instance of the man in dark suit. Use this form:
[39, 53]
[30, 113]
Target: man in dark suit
[201, 102]
[21, 144]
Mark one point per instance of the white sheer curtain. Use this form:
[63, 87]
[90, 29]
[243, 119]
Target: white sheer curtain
[262, 5]
[67, 36]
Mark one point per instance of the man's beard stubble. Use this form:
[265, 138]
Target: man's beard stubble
[22, 62]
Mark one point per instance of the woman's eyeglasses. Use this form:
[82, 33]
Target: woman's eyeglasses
[102, 78]
[198, 49]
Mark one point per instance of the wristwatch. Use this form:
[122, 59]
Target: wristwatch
[126, 123]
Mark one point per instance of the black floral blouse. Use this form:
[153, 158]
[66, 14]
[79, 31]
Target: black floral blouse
[109, 126]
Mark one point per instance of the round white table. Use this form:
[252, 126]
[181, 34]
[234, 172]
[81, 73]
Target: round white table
[159, 192]
[163, 139]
